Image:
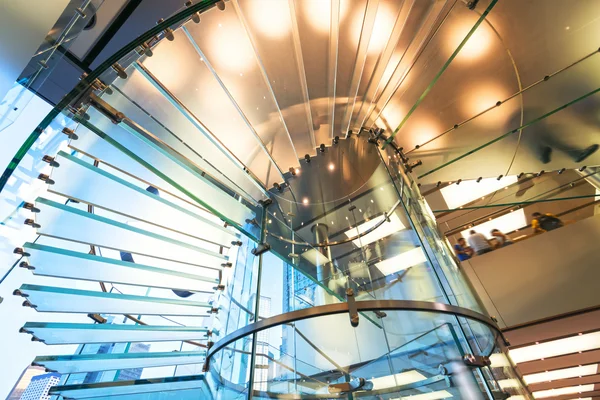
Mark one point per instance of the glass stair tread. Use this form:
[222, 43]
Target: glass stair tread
[186, 136]
[77, 179]
[76, 333]
[62, 263]
[119, 388]
[67, 300]
[80, 363]
[187, 179]
[69, 223]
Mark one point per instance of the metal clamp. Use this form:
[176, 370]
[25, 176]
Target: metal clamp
[31, 207]
[349, 387]
[32, 223]
[471, 360]
[260, 249]
[106, 109]
[70, 133]
[46, 179]
[50, 160]
[352, 309]
[21, 251]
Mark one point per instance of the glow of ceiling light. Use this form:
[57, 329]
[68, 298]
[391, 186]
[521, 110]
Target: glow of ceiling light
[331, 166]
[318, 13]
[476, 47]
[459, 195]
[563, 391]
[230, 48]
[315, 257]
[381, 30]
[402, 261]
[270, 18]
[564, 373]
[403, 378]
[297, 170]
[559, 347]
[386, 229]
[424, 129]
[481, 96]
[440, 394]
[393, 113]
[305, 201]
[506, 223]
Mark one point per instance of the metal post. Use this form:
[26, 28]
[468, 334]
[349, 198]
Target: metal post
[263, 236]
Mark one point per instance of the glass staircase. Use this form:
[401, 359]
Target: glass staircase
[237, 208]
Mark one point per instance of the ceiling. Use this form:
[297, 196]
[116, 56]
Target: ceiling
[415, 68]
[580, 360]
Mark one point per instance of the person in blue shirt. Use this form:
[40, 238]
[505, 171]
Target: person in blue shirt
[463, 252]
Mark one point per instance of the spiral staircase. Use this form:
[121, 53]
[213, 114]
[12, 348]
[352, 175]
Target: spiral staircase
[242, 139]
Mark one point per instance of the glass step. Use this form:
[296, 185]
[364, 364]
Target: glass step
[75, 333]
[186, 178]
[62, 263]
[66, 300]
[181, 131]
[141, 386]
[69, 223]
[77, 179]
[80, 363]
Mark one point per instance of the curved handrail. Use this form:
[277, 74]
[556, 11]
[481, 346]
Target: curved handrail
[339, 308]
[328, 244]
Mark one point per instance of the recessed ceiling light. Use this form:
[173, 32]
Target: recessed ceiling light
[386, 229]
[403, 378]
[561, 374]
[562, 391]
[331, 166]
[402, 261]
[440, 394]
[305, 201]
[573, 344]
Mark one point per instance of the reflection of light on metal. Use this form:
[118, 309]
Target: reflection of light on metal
[403, 378]
[477, 46]
[402, 261]
[230, 48]
[557, 347]
[270, 18]
[318, 13]
[386, 229]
